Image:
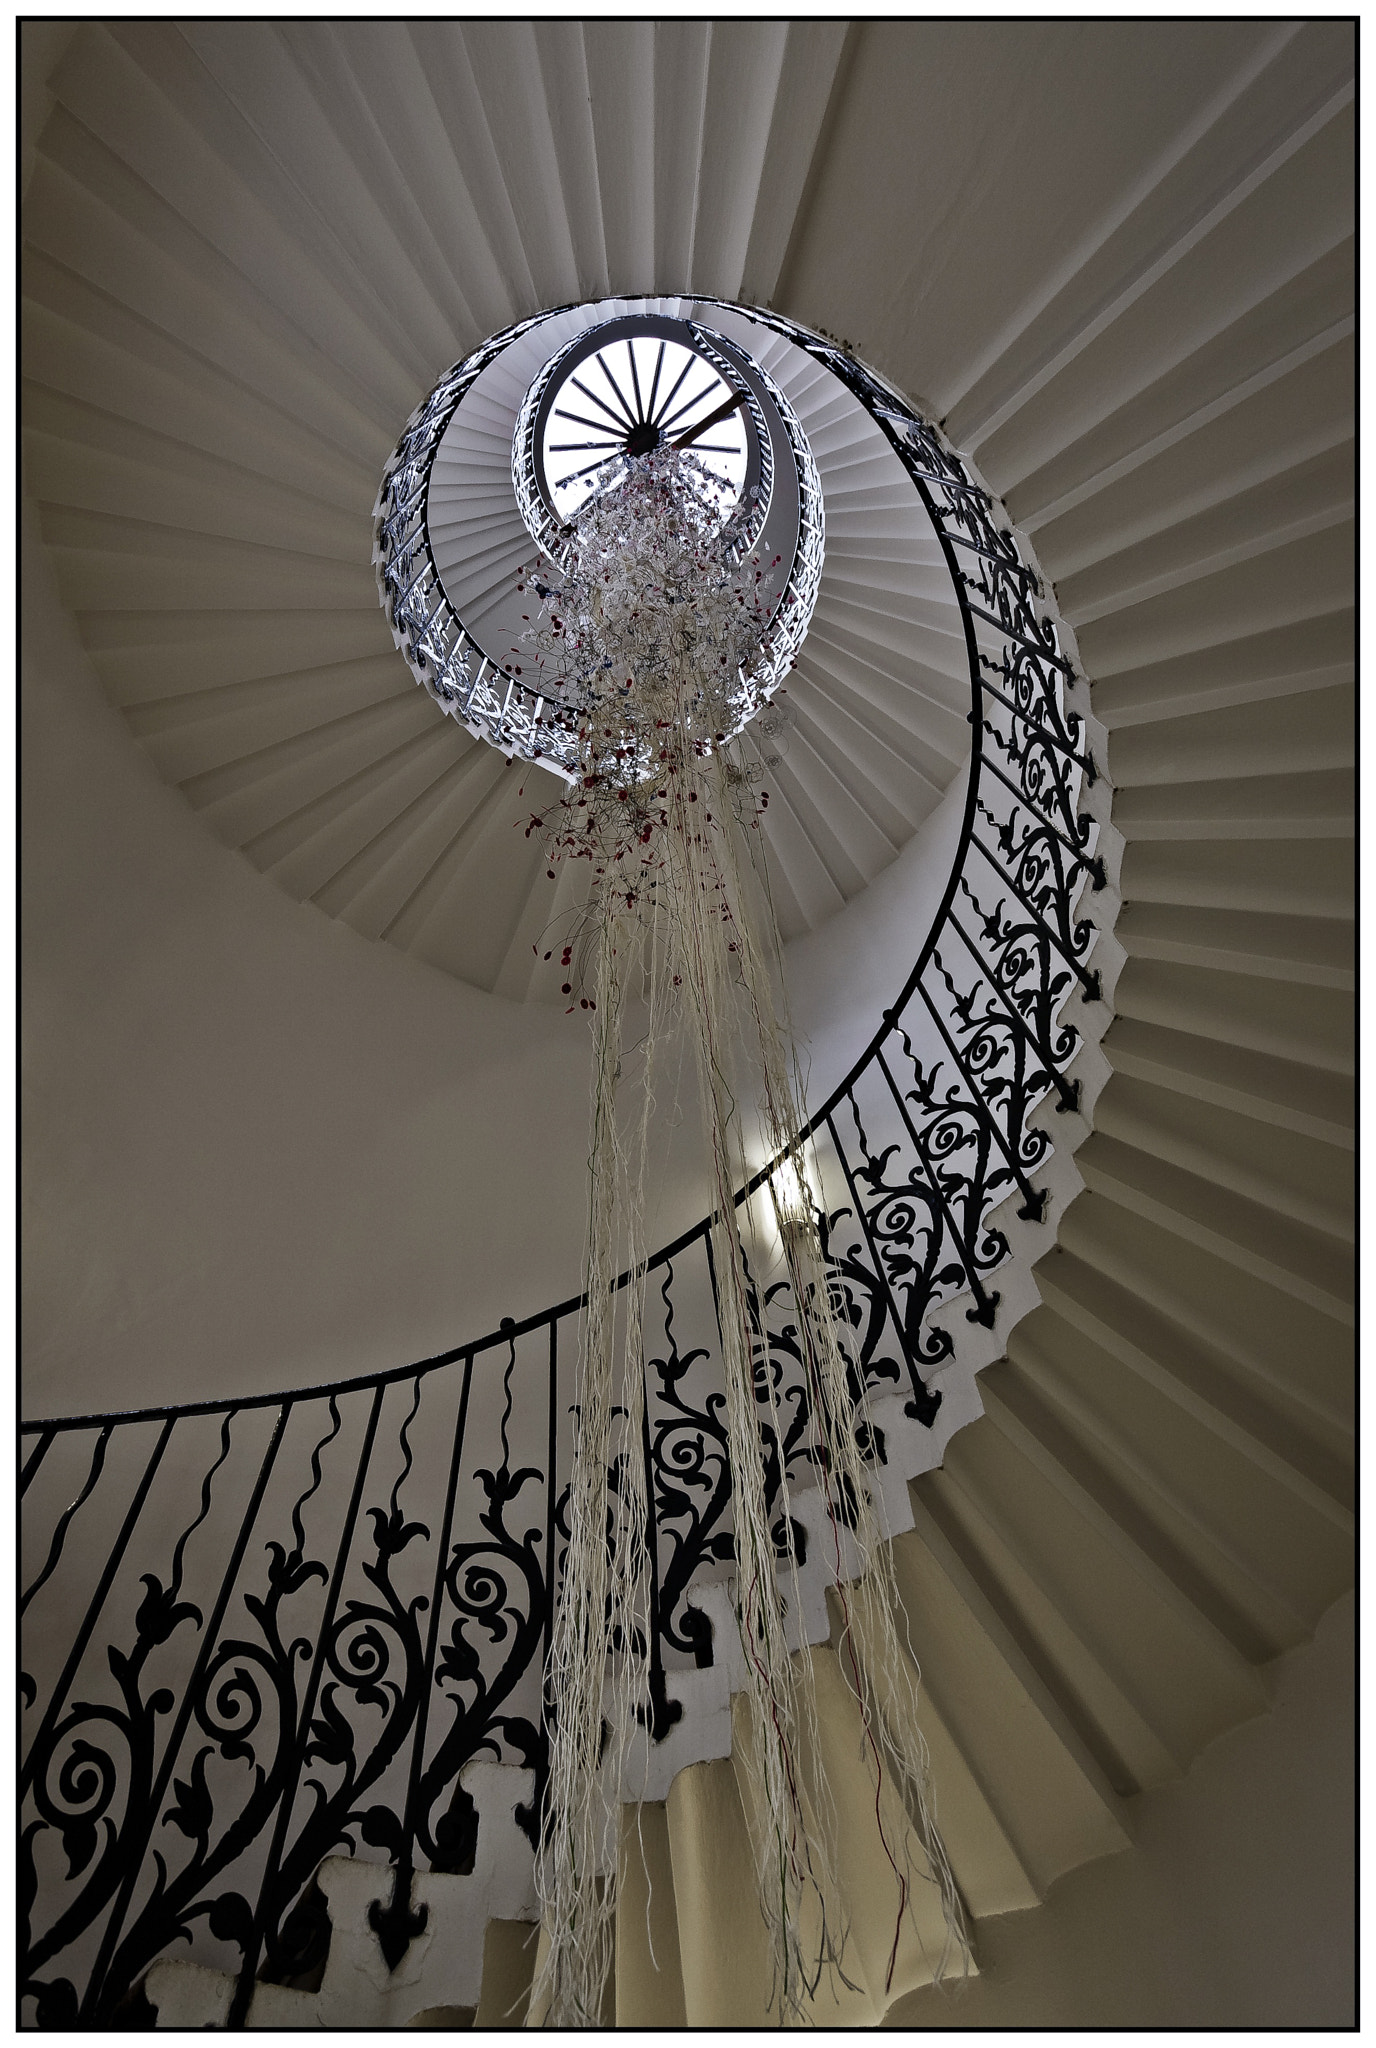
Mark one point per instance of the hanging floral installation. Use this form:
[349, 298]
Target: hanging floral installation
[652, 633]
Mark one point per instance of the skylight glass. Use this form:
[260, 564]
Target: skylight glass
[627, 399]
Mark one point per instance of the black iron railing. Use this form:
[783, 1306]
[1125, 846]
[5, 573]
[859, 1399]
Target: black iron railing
[264, 1631]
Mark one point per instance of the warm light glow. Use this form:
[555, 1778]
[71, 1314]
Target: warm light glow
[789, 1184]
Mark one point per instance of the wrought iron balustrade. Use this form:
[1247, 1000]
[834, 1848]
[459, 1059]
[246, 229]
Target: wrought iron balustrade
[261, 1632]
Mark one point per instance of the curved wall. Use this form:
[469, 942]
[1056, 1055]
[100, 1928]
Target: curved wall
[260, 1150]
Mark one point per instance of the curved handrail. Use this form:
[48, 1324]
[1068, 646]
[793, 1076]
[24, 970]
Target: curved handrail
[891, 413]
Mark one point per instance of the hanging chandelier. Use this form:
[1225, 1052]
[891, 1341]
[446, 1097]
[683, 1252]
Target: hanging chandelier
[676, 508]
[661, 620]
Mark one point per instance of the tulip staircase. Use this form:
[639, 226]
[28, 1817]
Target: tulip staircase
[249, 250]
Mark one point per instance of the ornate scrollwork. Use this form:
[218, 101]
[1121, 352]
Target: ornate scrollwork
[691, 1482]
[497, 1586]
[370, 1658]
[93, 1772]
[903, 1222]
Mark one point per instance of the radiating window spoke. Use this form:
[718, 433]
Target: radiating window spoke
[632, 395]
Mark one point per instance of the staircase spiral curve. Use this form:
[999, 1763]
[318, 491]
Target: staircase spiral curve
[241, 272]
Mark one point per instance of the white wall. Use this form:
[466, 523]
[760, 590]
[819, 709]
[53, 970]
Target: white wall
[259, 1150]
[1235, 1906]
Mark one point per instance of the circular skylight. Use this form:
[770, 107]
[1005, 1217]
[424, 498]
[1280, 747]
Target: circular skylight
[633, 394]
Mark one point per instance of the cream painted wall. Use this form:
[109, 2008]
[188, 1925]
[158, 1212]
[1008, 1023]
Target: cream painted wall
[259, 1150]
[1234, 1908]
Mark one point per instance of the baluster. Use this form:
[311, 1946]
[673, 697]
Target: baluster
[36, 1459]
[985, 1302]
[266, 1908]
[401, 1890]
[1028, 645]
[90, 2004]
[1088, 978]
[1028, 581]
[1043, 733]
[661, 1713]
[551, 1502]
[94, 1607]
[68, 1515]
[1094, 867]
[1033, 1201]
[1068, 1092]
[925, 1402]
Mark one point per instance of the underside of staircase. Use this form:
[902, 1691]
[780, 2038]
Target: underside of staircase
[250, 250]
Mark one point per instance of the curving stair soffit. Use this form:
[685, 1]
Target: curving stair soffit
[249, 251]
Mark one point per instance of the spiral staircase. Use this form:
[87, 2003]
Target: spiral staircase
[249, 250]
